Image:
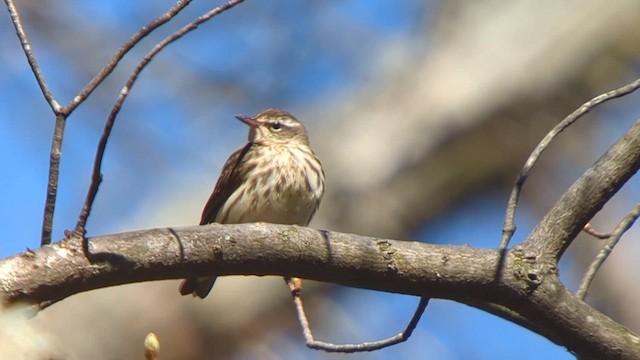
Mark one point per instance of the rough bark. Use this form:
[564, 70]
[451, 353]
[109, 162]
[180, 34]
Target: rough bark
[460, 273]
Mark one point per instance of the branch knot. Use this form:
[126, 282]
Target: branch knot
[388, 253]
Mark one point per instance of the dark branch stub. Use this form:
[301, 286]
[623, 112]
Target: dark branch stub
[602, 256]
[295, 288]
[595, 233]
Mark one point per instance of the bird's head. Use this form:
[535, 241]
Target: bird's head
[274, 126]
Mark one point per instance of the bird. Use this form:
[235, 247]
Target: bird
[275, 178]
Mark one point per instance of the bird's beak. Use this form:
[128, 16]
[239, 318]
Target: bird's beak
[253, 123]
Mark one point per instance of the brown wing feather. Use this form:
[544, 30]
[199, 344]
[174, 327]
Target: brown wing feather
[229, 180]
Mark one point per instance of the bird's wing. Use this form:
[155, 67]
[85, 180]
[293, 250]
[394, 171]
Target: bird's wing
[229, 180]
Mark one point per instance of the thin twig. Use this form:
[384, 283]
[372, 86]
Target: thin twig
[77, 100]
[509, 227]
[52, 184]
[58, 132]
[294, 287]
[96, 176]
[31, 58]
[63, 113]
[622, 227]
[595, 233]
[124, 49]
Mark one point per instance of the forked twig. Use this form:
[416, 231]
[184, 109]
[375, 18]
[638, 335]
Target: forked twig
[63, 112]
[294, 287]
[58, 132]
[96, 177]
[509, 227]
[616, 235]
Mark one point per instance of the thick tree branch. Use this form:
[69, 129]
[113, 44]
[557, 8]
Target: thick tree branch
[252, 249]
[459, 273]
[560, 226]
[509, 225]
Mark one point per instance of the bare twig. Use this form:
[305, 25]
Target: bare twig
[509, 227]
[62, 113]
[28, 51]
[124, 49]
[52, 185]
[294, 287]
[622, 227]
[96, 177]
[58, 133]
[595, 233]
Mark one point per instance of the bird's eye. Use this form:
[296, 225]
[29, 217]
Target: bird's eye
[276, 126]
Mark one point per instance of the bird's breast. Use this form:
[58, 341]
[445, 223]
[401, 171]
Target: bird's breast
[283, 185]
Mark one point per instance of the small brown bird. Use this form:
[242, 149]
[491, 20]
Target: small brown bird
[275, 178]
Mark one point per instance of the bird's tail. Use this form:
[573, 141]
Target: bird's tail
[199, 287]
